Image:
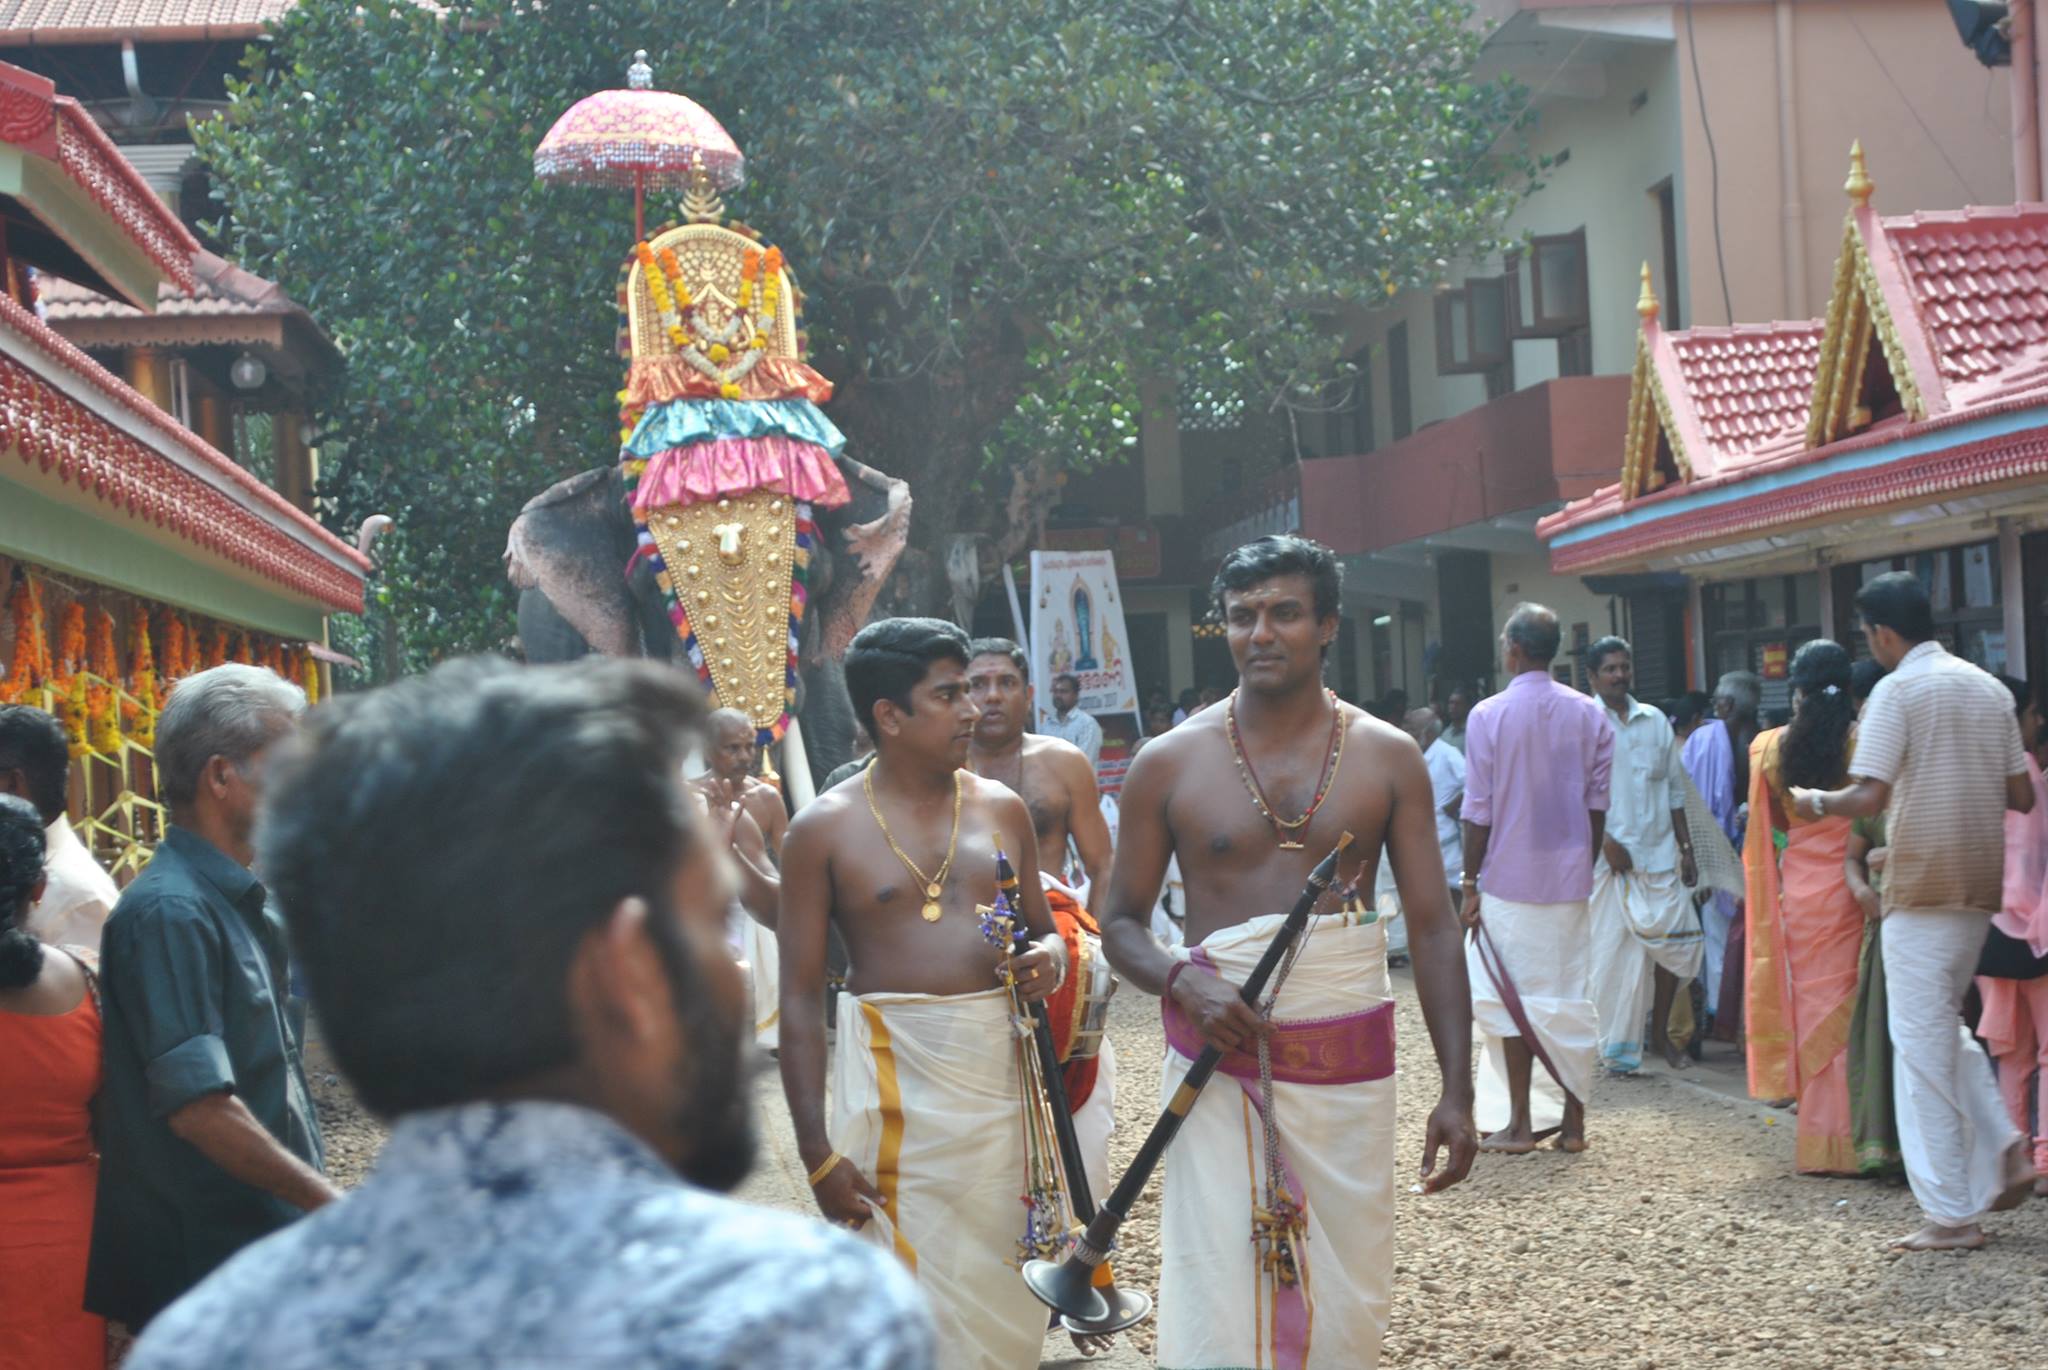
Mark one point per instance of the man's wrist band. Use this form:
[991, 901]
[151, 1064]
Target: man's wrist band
[831, 1163]
[1470, 882]
[1171, 976]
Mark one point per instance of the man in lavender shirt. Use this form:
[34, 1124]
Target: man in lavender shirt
[1537, 757]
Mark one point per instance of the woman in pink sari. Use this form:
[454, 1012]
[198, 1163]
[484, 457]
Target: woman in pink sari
[2015, 1020]
[1805, 928]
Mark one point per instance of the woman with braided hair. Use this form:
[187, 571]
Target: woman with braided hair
[49, 1073]
[1805, 933]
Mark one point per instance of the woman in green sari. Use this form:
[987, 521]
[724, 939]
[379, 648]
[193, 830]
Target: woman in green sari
[1871, 1123]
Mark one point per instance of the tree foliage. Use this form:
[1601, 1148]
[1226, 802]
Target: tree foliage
[1003, 213]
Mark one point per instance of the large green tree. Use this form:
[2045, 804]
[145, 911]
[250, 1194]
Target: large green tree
[1003, 212]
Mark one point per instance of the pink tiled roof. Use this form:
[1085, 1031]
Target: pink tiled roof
[1747, 384]
[1979, 280]
[56, 20]
[224, 289]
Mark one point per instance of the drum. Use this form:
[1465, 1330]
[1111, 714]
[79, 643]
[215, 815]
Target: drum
[1094, 985]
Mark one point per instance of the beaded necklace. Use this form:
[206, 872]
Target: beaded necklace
[1286, 829]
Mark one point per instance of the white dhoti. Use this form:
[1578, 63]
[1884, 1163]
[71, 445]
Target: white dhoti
[1954, 1131]
[1544, 947]
[1640, 921]
[758, 951]
[925, 1101]
[1333, 1021]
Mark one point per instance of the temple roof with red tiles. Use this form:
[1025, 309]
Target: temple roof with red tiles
[108, 21]
[1936, 334]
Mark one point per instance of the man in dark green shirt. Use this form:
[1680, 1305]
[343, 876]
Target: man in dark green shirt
[208, 1135]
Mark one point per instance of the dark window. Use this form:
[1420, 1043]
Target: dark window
[1549, 286]
[1347, 422]
[1472, 327]
[1397, 381]
[1575, 353]
[1667, 232]
[1757, 624]
[1965, 589]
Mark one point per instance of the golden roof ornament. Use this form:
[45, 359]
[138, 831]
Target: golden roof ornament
[701, 202]
[1646, 303]
[1859, 185]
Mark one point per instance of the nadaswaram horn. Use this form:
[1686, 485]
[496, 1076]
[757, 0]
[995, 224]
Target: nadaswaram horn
[1068, 1285]
[1113, 1309]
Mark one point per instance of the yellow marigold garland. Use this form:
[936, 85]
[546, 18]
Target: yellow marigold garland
[177, 649]
[309, 676]
[142, 680]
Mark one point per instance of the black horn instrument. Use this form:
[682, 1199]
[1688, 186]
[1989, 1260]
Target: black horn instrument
[1068, 1285]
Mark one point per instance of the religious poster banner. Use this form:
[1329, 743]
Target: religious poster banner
[1077, 627]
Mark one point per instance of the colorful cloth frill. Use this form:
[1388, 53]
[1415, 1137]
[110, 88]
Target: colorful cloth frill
[682, 422]
[734, 466]
[660, 380]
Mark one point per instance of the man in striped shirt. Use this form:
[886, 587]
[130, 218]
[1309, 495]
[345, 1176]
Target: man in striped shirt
[1938, 751]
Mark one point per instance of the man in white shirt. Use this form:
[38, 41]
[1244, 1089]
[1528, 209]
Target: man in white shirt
[1447, 783]
[1070, 723]
[1644, 932]
[35, 763]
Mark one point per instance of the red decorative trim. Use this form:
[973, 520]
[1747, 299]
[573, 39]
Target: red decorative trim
[50, 430]
[1910, 480]
[90, 158]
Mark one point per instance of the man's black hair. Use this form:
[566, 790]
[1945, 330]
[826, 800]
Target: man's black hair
[889, 657]
[33, 743]
[1001, 646]
[439, 847]
[1689, 708]
[2022, 693]
[1898, 601]
[1597, 654]
[1863, 677]
[1067, 678]
[1190, 697]
[1284, 554]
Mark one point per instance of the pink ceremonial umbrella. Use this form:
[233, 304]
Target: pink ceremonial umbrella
[639, 137]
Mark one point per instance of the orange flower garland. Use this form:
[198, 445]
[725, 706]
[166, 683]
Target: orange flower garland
[309, 677]
[31, 664]
[102, 714]
[243, 655]
[70, 682]
[216, 648]
[177, 649]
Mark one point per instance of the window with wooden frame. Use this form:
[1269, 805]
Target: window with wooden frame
[1547, 281]
[1472, 327]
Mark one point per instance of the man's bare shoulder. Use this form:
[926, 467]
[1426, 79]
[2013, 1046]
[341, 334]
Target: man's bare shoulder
[1057, 754]
[822, 818]
[1375, 735]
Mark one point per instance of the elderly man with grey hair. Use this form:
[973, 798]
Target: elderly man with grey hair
[207, 1131]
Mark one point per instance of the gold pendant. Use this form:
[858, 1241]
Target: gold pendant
[931, 911]
[1287, 844]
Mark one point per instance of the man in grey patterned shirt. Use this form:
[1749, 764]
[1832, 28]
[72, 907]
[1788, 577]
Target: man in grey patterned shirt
[511, 914]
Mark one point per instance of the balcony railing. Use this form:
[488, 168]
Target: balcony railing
[1272, 505]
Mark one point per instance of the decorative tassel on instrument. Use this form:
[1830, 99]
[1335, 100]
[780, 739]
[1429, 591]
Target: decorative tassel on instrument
[1068, 1285]
[1045, 1085]
[1046, 1209]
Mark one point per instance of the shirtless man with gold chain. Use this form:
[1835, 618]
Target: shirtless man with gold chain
[1248, 797]
[923, 1151]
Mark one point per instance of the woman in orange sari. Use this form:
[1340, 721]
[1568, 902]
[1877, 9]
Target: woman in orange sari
[1805, 928]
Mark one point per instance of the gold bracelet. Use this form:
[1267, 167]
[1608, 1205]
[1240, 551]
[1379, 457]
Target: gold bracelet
[830, 1164]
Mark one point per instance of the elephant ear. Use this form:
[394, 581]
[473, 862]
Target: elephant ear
[571, 543]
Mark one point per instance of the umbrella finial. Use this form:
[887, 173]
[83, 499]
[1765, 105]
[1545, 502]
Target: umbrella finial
[640, 76]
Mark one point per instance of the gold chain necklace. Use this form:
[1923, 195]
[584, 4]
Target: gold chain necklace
[1286, 828]
[933, 884]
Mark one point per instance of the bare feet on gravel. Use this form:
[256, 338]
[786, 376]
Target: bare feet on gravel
[1513, 1140]
[1935, 1237]
[2020, 1179]
[1675, 1058]
[1572, 1136]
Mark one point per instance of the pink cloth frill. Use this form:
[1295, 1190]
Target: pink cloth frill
[736, 466]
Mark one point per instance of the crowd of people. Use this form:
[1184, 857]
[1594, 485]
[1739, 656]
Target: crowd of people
[545, 956]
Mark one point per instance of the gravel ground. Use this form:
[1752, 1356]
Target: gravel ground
[1682, 1237]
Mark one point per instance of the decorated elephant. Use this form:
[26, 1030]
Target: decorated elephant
[734, 535]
